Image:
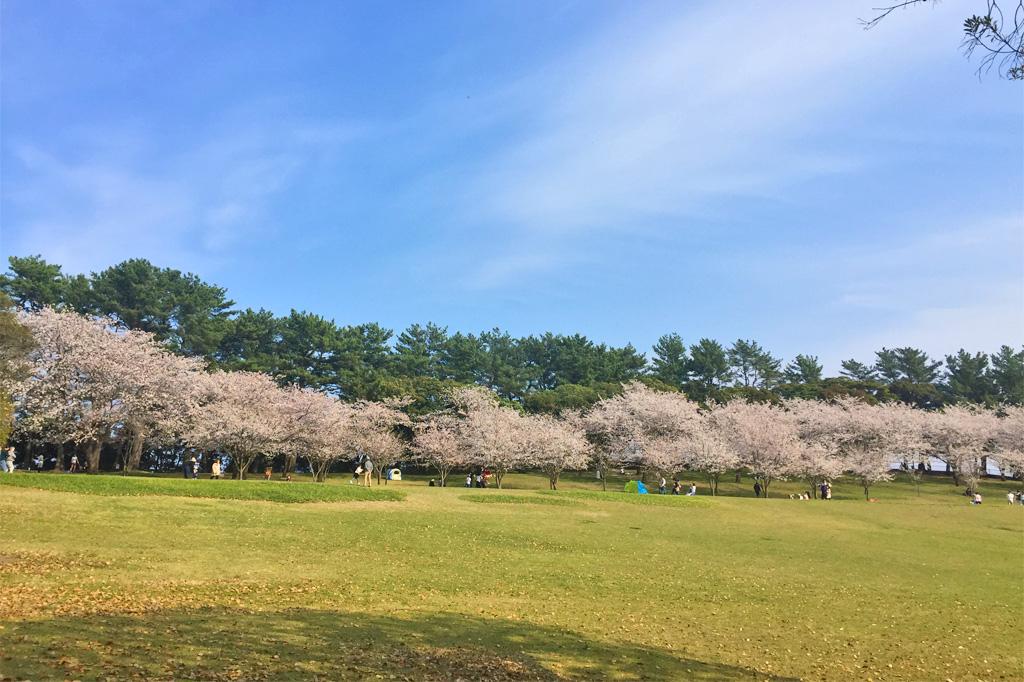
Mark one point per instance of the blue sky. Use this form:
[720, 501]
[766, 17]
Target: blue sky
[754, 170]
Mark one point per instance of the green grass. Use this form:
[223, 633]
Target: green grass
[270, 491]
[912, 587]
[505, 498]
[652, 500]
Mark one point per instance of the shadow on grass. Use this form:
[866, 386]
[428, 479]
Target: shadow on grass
[314, 644]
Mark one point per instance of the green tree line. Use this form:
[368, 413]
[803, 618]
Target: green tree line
[544, 373]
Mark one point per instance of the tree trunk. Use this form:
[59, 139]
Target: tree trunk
[739, 478]
[289, 465]
[92, 456]
[497, 478]
[135, 447]
[320, 472]
[553, 480]
[59, 465]
[241, 466]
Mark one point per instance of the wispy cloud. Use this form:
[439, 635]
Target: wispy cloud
[126, 195]
[657, 118]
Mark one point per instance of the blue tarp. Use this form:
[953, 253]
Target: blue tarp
[641, 489]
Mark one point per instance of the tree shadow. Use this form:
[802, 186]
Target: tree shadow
[223, 644]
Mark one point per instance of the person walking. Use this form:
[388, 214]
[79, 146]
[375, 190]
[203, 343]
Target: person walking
[367, 471]
[74, 464]
[215, 469]
[828, 490]
[10, 460]
[757, 488]
[661, 485]
[195, 466]
[469, 480]
[1010, 497]
[677, 487]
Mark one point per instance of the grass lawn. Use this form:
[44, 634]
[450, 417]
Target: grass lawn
[535, 585]
[271, 491]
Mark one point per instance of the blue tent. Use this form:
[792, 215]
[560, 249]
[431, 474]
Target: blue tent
[641, 489]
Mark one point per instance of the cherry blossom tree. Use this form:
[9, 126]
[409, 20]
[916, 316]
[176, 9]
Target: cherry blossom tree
[960, 435]
[906, 433]
[863, 439]
[493, 435]
[438, 443]
[614, 432]
[1009, 440]
[243, 414]
[818, 424]
[319, 427]
[90, 380]
[174, 392]
[555, 445]
[706, 449]
[376, 435]
[642, 426]
[765, 438]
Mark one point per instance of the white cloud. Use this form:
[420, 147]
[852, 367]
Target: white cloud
[127, 196]
[657, 117]
[930, 291]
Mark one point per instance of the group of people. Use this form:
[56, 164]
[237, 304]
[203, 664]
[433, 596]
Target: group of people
[7, 457]
[677, 487]
[363, 472]
[1015, 496]
[191, 465]
[824, 493]
[480, 479]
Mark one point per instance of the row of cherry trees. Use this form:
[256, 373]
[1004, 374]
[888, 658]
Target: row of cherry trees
[92, 383]
[802, 439]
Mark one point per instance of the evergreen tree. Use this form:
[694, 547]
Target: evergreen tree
[33, 283]
[709, 364]
[1008, 375]
[804, 369]
[968, 378]
[857, 371]
[251, 343]
[671, 363]
[753, 365]
[887, 365]
[419, 350]
[915, 365]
